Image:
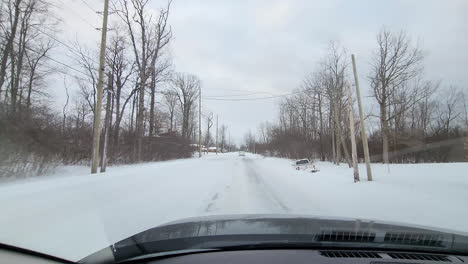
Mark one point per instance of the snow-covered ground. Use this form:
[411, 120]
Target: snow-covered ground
[73, 214]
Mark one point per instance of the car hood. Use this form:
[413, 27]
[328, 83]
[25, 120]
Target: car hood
[220, 231]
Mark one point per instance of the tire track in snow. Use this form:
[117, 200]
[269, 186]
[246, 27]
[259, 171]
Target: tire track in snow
[247, 191]
[209, 207]
[262, 187]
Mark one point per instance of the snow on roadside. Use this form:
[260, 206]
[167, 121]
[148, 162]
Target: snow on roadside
[74, 216]
[58, 172]
[425, 194]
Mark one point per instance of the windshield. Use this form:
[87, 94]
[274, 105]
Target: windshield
[119, 116]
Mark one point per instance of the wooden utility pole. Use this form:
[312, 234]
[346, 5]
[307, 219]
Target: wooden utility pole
[216, 143]
[98, 105]
[365, 146]
[353, 136]
[199, 123]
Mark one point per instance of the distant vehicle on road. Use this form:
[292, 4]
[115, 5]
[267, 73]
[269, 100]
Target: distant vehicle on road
[241, 153]
[213, 149]
[305, 164]
[302, 164]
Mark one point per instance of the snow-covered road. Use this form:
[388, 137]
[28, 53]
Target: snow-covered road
[247, 192]
[74, 215]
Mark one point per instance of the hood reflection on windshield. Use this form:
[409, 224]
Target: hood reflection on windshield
[228, 231]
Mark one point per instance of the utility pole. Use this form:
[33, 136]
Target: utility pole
[199, 122]
[365, 146]
[353, 136]
[98, 105]
[216, 143]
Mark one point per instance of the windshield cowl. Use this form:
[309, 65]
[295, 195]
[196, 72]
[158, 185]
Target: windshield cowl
[227, 231]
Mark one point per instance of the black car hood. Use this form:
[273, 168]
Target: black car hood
[221, 231]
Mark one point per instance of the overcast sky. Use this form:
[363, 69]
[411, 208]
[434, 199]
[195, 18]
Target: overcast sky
[269, 46]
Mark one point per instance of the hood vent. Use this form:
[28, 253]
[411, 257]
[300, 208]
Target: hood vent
[346, 236]
[419, 257]
[371, 254]
[349, 254]
[415, 239]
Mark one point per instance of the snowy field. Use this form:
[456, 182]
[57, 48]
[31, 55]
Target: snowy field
[73, 214]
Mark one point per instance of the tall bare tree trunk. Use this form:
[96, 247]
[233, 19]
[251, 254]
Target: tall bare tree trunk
[23, 31]
[385, 129]
[13, 92]
[9, 44]
[345, 150]
[116, 130]
[337, 134]
[140, 117]
[132, 122]
[30, 84]
[332, 133]
[152, 102]
[107, 124]
[322, 154]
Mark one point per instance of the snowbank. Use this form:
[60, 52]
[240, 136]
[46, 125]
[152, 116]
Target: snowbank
[427, 194]
[74, 214]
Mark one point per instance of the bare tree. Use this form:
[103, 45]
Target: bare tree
[147, 38]
[162, 73]
[448, 111]
[209, 124]
[87, 84]
[34, 62]
[171, 100]
[122, 70]
[14, 9]
[159, 68]
[222, 137]
[395, 62]
[333, 80]
[186, 87]
[25, 46]
[465, 109]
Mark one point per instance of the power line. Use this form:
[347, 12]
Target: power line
[50, 58]
[90, 7]
[252, 99]
[64, 72]
[236, 95]
[84, 20]
[238, 90]
[66, 45]
[63, 64]
[75, 13]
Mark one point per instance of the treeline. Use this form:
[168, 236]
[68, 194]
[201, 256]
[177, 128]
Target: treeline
[412, 119]
[150, 111]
